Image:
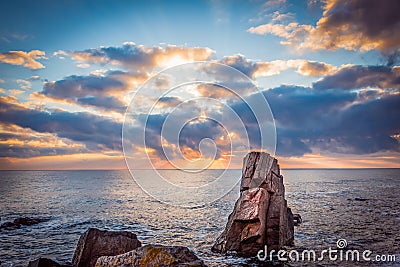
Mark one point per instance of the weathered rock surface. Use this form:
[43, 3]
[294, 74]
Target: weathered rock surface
[18, 222]
[44, 262]
[95, 243]
[260, 216]
[151, 256]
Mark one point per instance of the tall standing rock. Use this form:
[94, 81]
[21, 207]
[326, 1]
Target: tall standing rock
[261, 216]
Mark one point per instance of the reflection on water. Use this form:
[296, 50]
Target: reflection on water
[328, 201]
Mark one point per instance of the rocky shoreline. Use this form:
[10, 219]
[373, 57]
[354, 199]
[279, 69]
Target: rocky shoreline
[100, 248]
[261, 218]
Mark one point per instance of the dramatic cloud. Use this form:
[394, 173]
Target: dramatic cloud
[105, 91]
[352, 25]
[324, 118]
[96, 132]
[256, 69]
[26, 59]
[240, 63]
[79, 86]
[21, 142]
[303, 67]
[190, 137]
[140, 57]
[313, 68]
[333, 121]
[355, 77]
[31, 132]
[369, 127]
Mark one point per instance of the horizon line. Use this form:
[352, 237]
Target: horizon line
[124, 169]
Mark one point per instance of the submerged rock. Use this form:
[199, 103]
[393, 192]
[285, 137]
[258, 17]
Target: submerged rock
[260, 216]
[360, 199]
[153, 255]
[18, 222]
[95, 243]
[297, 219]
[9, 226]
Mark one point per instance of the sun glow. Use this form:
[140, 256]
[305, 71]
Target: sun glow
[174, 61]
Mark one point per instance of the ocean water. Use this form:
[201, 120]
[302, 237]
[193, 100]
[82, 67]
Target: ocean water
[361, 206]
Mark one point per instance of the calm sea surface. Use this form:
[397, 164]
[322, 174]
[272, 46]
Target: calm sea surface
[361, 206]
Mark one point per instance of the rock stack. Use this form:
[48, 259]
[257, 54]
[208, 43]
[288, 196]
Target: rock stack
[260, 216]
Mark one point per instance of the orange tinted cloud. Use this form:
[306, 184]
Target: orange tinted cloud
[15, 91]
[22, 142]
[24, 84]
[352, 25]
[255, 69]
[377, 160]
[82, 161]
[26, 59]
[214, 91]
[131, 55]
[303, 67]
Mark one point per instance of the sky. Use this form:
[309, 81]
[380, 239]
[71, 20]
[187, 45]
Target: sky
[69, 71]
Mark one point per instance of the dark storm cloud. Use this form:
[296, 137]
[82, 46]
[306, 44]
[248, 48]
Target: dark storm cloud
[354, 77]
[97, 133]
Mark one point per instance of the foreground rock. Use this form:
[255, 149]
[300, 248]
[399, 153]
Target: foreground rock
[260, 216]
[17, 223]
[153, 255]
[95, 243]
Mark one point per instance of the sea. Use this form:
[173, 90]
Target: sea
[358, 207]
